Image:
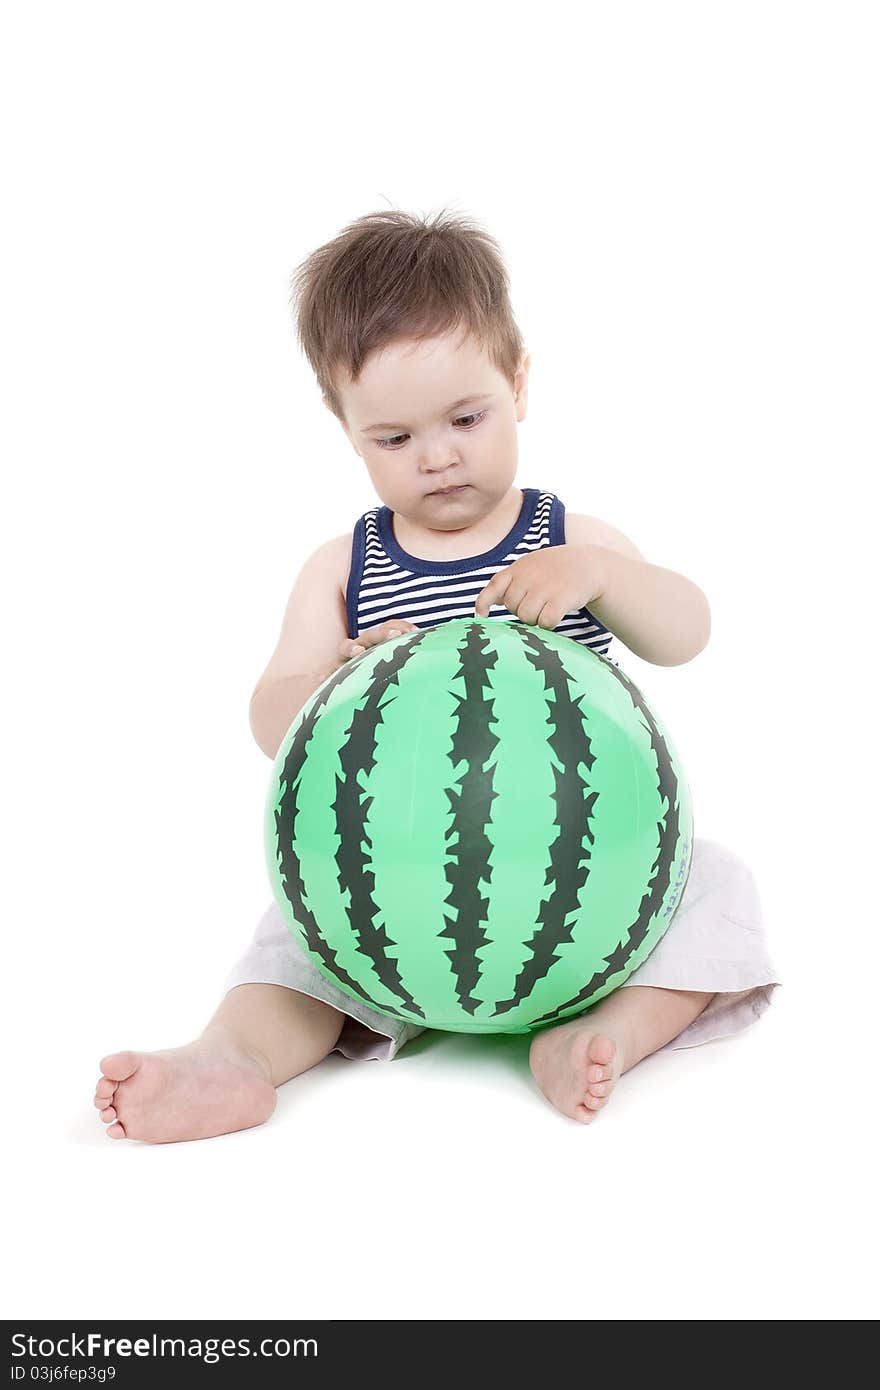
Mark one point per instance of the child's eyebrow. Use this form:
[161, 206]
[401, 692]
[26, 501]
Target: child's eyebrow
[465, 400]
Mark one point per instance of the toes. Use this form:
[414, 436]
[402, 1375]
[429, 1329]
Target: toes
[119, 1065]
[108, 1114]
[590, 1102]
[115, 1131]
[601, 1050]
[597, 1073]
[584, 1115]
[597, 1088]
[104, 1092]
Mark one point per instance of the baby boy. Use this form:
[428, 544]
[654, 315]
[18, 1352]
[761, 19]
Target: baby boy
[408, 327]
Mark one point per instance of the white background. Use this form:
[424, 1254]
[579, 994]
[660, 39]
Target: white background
[686, 196]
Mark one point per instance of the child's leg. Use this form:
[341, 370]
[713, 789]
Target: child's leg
[285, 1030]
[577, 1063]
[259, 1037]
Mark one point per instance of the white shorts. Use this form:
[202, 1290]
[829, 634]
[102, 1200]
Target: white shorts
[715, 943]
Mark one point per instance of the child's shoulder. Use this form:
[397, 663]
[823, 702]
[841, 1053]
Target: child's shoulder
[329, 563]
[592, 530]
[339, 555]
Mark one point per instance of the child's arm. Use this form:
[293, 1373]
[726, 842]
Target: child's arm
[306, 653]
[313, 643]
[659, 614]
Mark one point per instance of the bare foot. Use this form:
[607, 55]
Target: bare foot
[576, 1067]
[211, 1086]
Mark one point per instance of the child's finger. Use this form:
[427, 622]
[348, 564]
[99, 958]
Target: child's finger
[380, 635]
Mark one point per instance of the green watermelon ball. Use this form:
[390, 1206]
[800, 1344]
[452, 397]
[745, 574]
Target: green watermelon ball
[478, 827]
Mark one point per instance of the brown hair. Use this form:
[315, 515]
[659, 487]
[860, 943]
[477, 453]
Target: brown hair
[392, 275]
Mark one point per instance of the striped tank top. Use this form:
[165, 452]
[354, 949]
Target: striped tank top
[386, 582]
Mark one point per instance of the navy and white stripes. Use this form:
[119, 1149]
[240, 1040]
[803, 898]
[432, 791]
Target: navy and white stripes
[386, 582]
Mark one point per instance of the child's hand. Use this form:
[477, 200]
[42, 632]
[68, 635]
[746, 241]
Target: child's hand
[352, 647]
[541, 587]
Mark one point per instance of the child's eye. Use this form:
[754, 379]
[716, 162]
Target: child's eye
[389, 443]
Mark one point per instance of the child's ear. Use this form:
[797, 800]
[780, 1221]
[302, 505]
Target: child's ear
[521, 386]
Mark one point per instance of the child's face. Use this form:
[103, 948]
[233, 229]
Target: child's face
[401, 418]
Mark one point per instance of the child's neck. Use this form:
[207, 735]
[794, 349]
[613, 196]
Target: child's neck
[482, 536]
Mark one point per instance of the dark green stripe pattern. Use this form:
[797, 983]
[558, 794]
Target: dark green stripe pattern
[481, 827]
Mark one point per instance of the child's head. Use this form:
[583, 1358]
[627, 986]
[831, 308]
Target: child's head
[408, 327]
